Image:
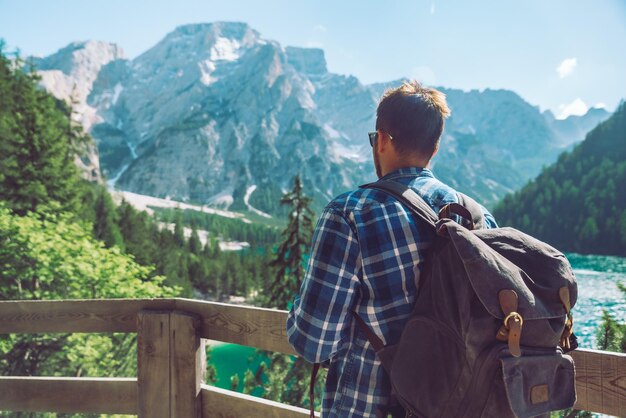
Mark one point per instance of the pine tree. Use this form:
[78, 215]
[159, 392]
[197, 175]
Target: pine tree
[195, 246]
[285, 379]
[196, 273]
[105, 225]
[611, 335]
[140, 234]
[38, 143]
[290, 258]
[179, 228]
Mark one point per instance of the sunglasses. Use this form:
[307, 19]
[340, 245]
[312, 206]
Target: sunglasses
[372, 136]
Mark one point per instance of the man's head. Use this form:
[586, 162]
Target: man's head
[411, 118]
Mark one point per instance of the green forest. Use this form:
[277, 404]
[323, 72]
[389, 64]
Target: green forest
[63, 237]
[578, 204]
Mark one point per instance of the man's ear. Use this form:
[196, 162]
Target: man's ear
[436, 149]
[383, 142]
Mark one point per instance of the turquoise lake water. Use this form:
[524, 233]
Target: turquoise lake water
[597, 278]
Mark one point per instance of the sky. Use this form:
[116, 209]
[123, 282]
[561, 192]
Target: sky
[562, 55]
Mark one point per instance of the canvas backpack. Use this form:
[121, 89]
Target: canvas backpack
[491, 321]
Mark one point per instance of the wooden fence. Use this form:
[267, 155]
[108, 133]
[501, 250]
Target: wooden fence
[171, 360]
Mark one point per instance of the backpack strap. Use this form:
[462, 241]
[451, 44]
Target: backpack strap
[467, 208]
[421, 209]
[475, 210]
[316, 368]
[407, 196]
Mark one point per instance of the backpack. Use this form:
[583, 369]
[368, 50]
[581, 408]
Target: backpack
[491, 322]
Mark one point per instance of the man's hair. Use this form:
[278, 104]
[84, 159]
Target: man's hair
[414, 116]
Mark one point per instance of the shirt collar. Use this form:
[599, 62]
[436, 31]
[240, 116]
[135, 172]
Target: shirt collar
[408, 172]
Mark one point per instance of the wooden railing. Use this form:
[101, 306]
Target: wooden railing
[170, 348]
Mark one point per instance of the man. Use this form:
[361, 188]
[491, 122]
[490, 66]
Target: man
[367, 255]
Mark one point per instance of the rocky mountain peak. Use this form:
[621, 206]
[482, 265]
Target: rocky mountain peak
[232, 30]
[69, 74]
[81, 58]
[219, 40]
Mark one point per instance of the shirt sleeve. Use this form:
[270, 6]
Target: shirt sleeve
[320, 316]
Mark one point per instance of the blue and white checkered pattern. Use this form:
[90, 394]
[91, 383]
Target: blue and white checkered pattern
[366, 258]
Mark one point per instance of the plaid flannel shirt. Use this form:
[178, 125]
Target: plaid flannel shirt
[366, 258]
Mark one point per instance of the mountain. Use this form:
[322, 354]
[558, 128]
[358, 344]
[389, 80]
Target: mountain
[69, 75]
[579, 203]
[216, 114]
[572, 127]
[494, 141]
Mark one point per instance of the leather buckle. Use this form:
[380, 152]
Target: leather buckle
[511, 331]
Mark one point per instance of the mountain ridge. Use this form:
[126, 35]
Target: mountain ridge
[214, 109]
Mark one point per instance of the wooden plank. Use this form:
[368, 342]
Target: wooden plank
[581, 380]
[594, 381]
[255, 327]
[221, 403]
[69, 395]
[601, 377]
[620, 382]
[153, 368]
[186, 367]
[610, 395]
[102, 315]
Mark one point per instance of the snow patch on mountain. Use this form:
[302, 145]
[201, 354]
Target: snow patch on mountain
[206, 69]
[117, 90]
[111, 182]
[305, 96]
[224, 199]
[246, 199]
[133, 150]
[332, 133]
[225, 49]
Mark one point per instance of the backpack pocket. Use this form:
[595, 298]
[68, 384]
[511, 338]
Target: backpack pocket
[537, 384]
[428, 366]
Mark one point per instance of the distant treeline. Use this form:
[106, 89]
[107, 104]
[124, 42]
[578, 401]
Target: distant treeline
[185, 262]
[216, 225]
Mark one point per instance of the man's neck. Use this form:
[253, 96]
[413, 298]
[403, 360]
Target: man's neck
[392, 166]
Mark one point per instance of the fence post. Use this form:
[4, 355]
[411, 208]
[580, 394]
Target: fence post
[187, 366]
[171, 365]
[153, 364]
